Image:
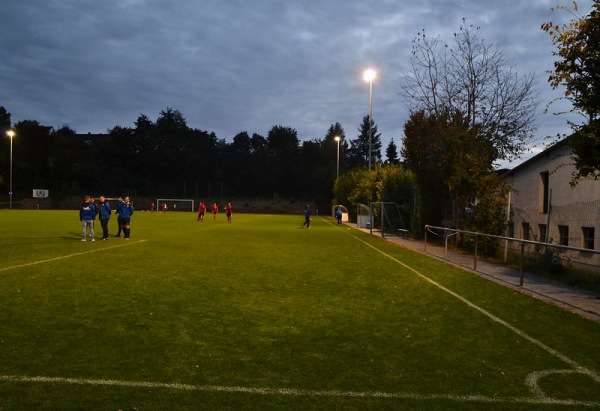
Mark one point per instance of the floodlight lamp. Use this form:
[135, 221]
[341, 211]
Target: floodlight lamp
[370, 75]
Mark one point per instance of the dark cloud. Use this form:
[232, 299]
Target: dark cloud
[232, 66]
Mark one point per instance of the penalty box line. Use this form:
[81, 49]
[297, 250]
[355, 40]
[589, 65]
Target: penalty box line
[292, 392]
[14, 267]
[486, 313]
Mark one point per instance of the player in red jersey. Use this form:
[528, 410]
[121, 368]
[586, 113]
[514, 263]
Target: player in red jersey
[201, 211]
[229, 211]
[215, 210]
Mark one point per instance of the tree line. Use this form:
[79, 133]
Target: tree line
[167, 158]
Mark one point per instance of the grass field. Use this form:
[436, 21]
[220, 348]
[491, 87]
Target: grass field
[262, 314]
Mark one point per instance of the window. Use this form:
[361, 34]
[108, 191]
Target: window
[588, 237]
[544, 190]
[511, 230]
[525, 229]
[563, 234]
[543, 237]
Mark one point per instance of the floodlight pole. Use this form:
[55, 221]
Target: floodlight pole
[370, 122]
[369, 76]
[337, 174]
[11, 135]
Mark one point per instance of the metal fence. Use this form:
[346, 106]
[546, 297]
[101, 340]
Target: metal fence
[540, 255]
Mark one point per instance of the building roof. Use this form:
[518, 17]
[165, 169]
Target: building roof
[545, 153]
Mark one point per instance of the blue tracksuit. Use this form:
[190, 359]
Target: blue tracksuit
[105, 211]
[125, 212]
[87, 211]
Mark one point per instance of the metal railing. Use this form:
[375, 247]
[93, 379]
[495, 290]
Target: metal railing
[449, 233]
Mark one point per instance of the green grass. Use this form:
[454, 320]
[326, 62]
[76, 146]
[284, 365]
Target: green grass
[229, 310]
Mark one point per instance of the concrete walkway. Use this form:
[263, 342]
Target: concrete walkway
[579, 301]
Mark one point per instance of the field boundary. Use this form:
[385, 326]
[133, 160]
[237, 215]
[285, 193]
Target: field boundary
[49, 260]
[292, 392]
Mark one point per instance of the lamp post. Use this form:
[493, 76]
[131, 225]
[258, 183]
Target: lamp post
[337, 174]
[10, 134]
[369, 76]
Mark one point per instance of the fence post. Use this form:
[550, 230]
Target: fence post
[445, 243]
[522, 263]
[425, 241]
[475, 257]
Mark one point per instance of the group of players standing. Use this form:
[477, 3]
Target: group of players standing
[90, 209]
[215, 210]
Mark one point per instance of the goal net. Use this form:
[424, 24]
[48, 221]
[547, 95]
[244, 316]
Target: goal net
[174, 204]
[387, 217]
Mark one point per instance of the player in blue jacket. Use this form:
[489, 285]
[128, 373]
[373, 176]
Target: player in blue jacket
[120, 204]
[104, 216]
[87, 213]
[125, 212]
[306, 217]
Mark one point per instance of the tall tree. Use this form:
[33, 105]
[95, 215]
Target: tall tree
[4, 143]
[68, 162]
[31, 152]
[391, 152]
[359, 147]
[448, 159]
[283, 148]
[4, 121]
[578, 71]
[473, 78]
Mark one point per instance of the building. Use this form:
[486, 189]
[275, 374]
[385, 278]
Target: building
[547, 208]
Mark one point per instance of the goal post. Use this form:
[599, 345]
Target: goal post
[388, 218]
[175, 204]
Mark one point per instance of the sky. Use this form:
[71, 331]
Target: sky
[248, 65]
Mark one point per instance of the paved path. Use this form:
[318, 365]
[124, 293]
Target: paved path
[582, 302]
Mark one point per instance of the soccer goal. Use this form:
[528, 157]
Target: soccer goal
[174, 204]
[388, 218]
[334, 208]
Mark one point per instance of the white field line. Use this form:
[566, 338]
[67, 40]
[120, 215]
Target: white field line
[562, 357]
[14, 267]
[291, 392]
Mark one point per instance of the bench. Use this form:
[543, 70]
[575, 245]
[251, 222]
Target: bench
[403, 232]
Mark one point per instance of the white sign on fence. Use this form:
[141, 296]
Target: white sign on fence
[40, 193]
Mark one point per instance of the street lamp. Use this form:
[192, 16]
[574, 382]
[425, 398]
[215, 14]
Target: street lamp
[337, 174]
[10, 134]
[369, 76]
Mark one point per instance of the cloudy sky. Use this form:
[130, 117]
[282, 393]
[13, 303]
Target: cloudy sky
[245, 65]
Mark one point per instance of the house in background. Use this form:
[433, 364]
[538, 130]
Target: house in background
[546, 208]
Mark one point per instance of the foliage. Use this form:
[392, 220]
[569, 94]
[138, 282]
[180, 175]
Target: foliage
[392, 183]
[473, 78]
[489, 215]
[577, 70]
[545, 261]
[449, 160]
[165, 157]
[359, 147]
[5, 121]
[391, 153]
